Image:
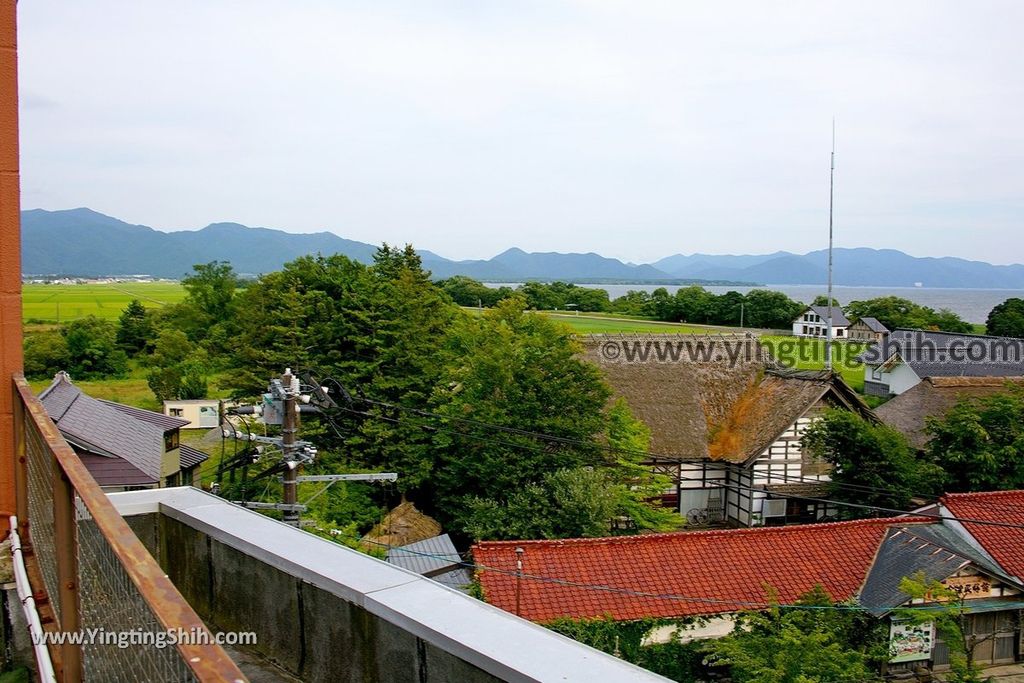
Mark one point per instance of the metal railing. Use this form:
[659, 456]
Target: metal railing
[90, 574]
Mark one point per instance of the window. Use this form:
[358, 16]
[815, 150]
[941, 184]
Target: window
[839, 333]
[176, 412]
[172, 480]
[171, 440]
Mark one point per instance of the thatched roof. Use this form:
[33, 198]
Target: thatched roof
[934, 397]
[728, 405]
[402, 526]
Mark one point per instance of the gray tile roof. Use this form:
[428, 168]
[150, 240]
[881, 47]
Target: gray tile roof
[946, 354]
[165, 422]
[839, 319]
[904, 553]
[108, 471]
[98, 428]
[431, 557]
[873, 324]
[191, 457]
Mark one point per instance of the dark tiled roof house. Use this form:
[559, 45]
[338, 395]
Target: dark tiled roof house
[906, 357]
[122, 446]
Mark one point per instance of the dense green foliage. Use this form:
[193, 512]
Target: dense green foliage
[86, 348]
[1007, 319]
[811, 642]
[979, 443]
[794, 645]
[895, 312]
[674, 660]
[874, 464]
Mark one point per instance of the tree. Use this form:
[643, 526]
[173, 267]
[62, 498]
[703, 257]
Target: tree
[874, 464]
[822, 300]
[950, 618]
[92, 349]
[770, 310]
[568, 503]
[1007, 319]
[135, 328]
[810, 643]
[510, 368]
[211, 288]
[980, 442]
[895, 312]
[46, 353]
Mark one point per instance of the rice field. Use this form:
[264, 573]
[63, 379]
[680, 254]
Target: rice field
[60, 303]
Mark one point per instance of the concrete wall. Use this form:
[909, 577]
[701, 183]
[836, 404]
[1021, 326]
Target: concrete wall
[327, 613]
[10, 246]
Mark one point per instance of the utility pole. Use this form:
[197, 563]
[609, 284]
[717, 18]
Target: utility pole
[289, 426]
[831, 185]
[282, 405]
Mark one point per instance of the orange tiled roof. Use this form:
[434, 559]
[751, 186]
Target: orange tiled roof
[1004, 544]
[718, 571]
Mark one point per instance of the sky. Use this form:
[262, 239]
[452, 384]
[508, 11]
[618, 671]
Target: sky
[634, 129]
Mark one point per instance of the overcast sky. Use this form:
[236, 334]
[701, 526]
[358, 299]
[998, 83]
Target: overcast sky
[635, 129]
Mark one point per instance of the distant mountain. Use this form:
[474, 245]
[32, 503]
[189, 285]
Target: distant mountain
[84, 242]
[852, 267]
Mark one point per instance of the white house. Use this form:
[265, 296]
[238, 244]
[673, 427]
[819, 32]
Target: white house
[200, 413]
[906, 357]
[813, 322]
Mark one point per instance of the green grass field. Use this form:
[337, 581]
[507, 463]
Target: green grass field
[53, 303]
[809, 354]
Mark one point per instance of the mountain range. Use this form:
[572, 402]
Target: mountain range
[83, 242]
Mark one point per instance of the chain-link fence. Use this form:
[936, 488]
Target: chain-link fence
[127, 612]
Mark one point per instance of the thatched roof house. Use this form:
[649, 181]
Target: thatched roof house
[719, 398]
[402, 526]
[934, 397]
[726, 423]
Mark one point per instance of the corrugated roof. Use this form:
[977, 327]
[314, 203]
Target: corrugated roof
[1004, 544]
[680, 574]
[429, 557]
[112, 471]
[191, 457]
[96, 426]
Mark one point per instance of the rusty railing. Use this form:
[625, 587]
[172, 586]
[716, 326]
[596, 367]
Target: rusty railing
[91, 574]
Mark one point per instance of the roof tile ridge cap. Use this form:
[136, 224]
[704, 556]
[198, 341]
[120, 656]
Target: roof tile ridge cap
[980, 494]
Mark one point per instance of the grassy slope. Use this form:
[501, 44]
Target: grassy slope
[809, 354]
[47, 302]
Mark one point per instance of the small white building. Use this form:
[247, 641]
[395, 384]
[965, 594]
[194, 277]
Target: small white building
[200, 413]
[906, 357]
[813, 322]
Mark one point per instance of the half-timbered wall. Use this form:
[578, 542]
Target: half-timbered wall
[784, 462]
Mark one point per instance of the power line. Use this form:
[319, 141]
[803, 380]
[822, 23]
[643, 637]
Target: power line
[874, 508]
[626, 591]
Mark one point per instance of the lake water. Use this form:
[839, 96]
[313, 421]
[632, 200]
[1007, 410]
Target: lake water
[973, 305]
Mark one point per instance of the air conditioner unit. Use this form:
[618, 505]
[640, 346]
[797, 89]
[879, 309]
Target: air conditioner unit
[773, 508]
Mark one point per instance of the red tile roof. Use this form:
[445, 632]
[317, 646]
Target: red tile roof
[717, 571]
[1004, 544]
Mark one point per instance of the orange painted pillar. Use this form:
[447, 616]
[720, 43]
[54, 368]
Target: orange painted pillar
[10, 246]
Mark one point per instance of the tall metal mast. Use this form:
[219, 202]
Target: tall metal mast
[831, 186]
